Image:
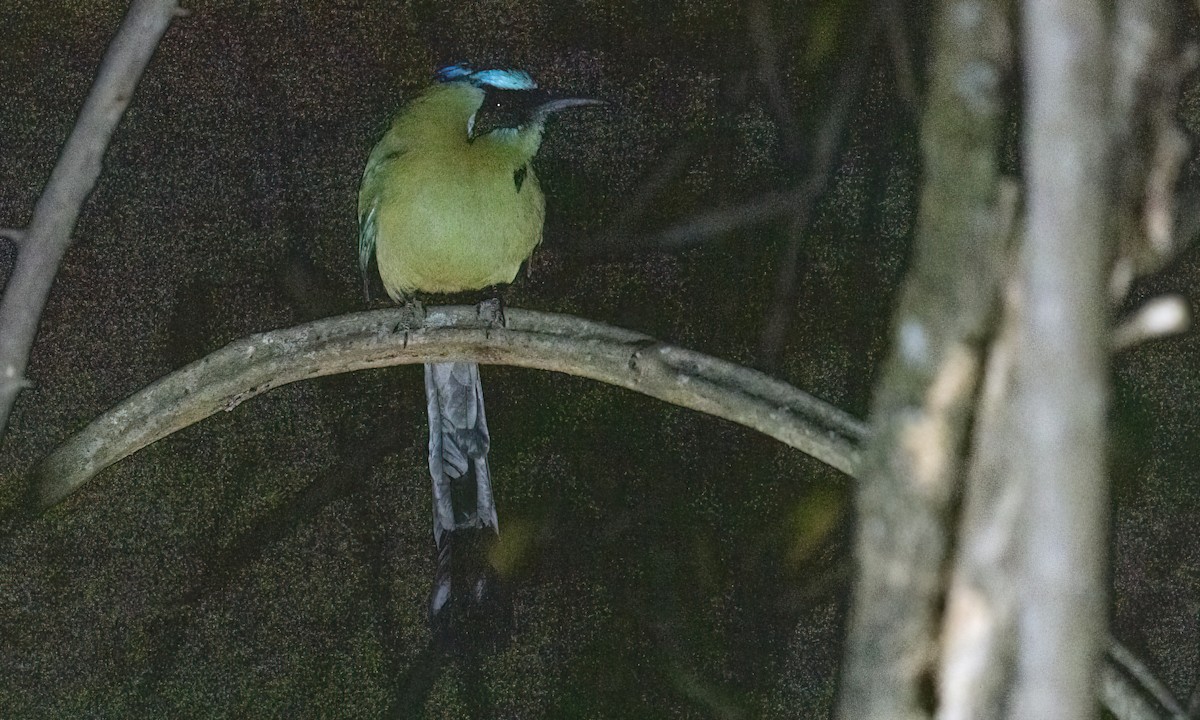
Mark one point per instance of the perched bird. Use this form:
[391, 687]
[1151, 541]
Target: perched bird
[448, 204]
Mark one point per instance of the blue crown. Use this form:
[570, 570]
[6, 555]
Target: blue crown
[496, 78]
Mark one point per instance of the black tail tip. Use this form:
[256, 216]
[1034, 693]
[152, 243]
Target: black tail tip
[468, 603]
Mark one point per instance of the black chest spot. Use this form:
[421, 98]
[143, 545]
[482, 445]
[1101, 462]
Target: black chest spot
[519, 176]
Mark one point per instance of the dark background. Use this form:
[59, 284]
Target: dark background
[274, 561]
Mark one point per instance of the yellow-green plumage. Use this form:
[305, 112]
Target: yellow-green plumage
[449, 203]
[444, 214]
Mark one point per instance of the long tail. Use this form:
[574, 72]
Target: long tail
[462, 484]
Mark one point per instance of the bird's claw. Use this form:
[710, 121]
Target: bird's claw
[415, 311]
[491, 313]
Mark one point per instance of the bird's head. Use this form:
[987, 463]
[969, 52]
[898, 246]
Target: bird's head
[511, 101]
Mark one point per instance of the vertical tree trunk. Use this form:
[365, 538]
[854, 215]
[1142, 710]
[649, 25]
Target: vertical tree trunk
[925, 399]
[1061, 369]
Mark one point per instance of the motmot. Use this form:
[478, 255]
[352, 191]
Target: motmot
[449, 203]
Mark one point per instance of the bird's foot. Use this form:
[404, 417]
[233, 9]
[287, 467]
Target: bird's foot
[415, 312]
[491, 312]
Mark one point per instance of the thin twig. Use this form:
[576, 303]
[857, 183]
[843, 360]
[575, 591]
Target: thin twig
[1159, 317]
[70, 183]
[762, 38]
[660, 178]
[14, 235]
[618, 236]
[721, 221]
[851, 85]
[1119, 656]
[902, 55]
[383, 338]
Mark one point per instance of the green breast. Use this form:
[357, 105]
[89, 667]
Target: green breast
[443, 228]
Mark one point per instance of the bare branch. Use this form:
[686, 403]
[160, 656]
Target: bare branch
[383, 338]
[1126, 699]
[707, 225]
[1142, 695]
[901, 49]
[257, 364]
[1061, 358]
[762, 38]
[70, 183]
[851, 85]
[978, 649]
[1159, 317]
[651, 188]
[1150, 148]
[925, 400]
[13, 235]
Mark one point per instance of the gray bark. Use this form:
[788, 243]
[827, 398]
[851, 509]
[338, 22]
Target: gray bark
[925, 399]
[48, 236]
[1060, 362]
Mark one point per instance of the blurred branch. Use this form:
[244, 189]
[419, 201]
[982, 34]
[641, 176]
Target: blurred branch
[721, 221]
[797, 202]
[849, 89]
[54, 216]
[978, 651]
[1159, 317]
[768, 207]
[1131, 692]
[925, 399]
[384, 338]
[660, 178]
[766, 50]
[1061, 359]
[901, 49]
[13, 235]
[1152, 218]
[619, 233]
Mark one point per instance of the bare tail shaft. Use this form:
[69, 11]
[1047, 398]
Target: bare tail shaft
[458, 447]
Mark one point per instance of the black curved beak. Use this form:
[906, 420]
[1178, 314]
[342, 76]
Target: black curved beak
[554, 105]
[516, 108]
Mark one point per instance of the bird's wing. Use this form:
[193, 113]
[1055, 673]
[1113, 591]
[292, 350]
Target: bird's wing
[366, 243]
[368, 211]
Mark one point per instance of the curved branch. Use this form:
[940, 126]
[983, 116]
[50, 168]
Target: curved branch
[1131, 692]
[43, 243]
[382, 338]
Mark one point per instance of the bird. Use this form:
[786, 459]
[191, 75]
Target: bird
[450, 203]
